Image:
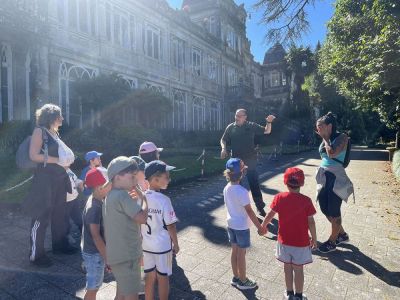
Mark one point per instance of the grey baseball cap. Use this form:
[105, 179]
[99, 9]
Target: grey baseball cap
[119, 164]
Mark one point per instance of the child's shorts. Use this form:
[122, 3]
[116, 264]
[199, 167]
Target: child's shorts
[127, 276]
[94, 265]
[162, 263]
[293, 255]
[239, 237]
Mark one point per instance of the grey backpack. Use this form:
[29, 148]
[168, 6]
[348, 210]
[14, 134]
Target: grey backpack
[22, 156]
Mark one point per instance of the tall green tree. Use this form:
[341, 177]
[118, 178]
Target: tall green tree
[361, 55]
[286, 20]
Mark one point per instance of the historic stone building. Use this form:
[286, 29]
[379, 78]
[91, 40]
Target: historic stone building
[197, 56]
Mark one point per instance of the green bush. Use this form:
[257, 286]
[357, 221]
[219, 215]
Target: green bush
[396, 164]
[13, 133]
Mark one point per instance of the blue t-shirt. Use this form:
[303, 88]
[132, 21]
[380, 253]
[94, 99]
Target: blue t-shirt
[334, 142]
[86, 191]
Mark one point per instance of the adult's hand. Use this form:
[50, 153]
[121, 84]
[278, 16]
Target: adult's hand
[224, 154]
[270, 118]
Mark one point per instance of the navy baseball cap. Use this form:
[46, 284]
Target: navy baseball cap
[235, 165]
[91, 155]
[156, 166]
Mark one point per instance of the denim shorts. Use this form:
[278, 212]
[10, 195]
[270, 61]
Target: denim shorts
[239, 237]
[94, 264]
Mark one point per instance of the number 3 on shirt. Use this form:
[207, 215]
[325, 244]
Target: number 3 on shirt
[148, 226]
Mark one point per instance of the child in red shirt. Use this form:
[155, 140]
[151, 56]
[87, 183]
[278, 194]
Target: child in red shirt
[295, 212]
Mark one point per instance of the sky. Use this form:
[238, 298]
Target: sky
[319, 15]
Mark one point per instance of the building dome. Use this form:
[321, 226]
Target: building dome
[274, 54]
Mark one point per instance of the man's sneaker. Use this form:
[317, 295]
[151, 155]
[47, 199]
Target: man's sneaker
[235, 281]
[326, 247]
[246, 285]
[342, 238]
[42, 262]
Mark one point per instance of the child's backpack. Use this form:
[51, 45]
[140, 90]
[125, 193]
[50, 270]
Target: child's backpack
[22, 158]
[346, 161]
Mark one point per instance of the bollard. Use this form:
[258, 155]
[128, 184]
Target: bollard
[202, 156]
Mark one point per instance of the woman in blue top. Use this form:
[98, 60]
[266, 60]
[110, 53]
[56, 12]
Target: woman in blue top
[333, 183]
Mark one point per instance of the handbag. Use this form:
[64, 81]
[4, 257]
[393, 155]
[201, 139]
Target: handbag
[22, 158]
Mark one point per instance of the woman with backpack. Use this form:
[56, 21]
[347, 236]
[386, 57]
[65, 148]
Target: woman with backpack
[333, 184]
[47, 197]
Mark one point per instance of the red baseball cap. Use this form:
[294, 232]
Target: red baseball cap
[294, 177]
[94, 178]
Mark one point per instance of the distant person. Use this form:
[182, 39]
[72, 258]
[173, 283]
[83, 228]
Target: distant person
[148, 151]
[295, 212]
[160, 239]
[122, 219]
[74, 211]
[240, 135]
[47, 198]
[239, 216]
[93, 242]
[333, 184]
[93, 160]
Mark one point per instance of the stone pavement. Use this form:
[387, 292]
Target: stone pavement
[366, 268]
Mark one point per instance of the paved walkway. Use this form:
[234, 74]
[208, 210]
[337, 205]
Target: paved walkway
[367, 268]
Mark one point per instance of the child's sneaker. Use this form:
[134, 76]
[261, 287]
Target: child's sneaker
[288, 297]
[298, 298]
[326, 247]
[342, 238]
[246, 285]
[235, 281]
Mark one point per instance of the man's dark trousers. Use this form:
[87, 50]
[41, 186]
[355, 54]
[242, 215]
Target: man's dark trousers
[252, 178]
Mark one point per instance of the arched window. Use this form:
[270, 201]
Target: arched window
[198, 112]
[70, 103]
[179, 110]
[215, 114]
[6, 91]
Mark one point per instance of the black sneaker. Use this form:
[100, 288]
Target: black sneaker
[342, 238]
[326, 247]
[235, 281]
[246, 285]
[42, 262]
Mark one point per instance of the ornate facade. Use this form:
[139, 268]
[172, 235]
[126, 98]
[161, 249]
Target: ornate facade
[197, 56]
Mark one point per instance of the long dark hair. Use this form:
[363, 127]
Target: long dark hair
[327, 119]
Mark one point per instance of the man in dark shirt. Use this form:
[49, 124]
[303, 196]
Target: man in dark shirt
[240, 135]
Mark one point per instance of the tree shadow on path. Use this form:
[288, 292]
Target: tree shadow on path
[348, 261]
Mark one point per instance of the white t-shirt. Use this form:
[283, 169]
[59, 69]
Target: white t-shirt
[156, 238]
[236, 198]
[75, 182]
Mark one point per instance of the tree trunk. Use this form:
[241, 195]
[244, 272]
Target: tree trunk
[397, 145]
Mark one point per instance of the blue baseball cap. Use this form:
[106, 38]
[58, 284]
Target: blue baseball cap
[91, 155]
[235, 165]
[156, 166]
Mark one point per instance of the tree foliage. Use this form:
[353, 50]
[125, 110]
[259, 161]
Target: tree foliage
[286, 20]
[361, 55]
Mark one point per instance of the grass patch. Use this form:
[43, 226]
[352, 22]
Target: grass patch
[184, 159]
[9, 177]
